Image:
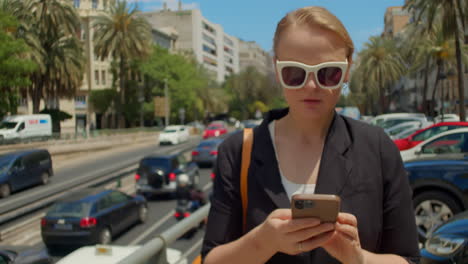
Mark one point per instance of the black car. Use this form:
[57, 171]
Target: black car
[22, 169]
[206, 153]
[440, 189]
[157, 174]
[91, 216]
[24, 255]
[448, 243]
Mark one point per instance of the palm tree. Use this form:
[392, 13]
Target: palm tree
[381, 63]
[124, 35]
[453, 15]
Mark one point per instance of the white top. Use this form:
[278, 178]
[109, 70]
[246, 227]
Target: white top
[290, 187]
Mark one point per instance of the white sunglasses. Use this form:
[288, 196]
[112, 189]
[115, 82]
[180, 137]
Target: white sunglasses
[328, 75]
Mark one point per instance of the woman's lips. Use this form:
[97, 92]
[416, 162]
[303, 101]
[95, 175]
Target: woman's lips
[312, 102]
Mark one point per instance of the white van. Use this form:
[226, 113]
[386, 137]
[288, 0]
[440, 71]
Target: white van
[387, 121]
[17, 127]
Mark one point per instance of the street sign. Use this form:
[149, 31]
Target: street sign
[159, 106]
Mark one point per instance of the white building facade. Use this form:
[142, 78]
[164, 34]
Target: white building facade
[252, 55]
[210, 45]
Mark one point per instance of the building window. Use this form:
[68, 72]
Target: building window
[228, 41]
[103, 77]
[80, 101]
[210, 61]
[228, 59]
[104, 3]
[23, 102]
[228, 50]
[209, 39]
[76, 3]
[95, 4]
[209, 50]
[229, 69]
[209, 28]
[96, 77]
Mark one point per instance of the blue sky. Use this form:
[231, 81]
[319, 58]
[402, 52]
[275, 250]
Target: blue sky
[255, 20]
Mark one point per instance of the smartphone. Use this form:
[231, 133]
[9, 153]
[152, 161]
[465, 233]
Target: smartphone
[322, 206]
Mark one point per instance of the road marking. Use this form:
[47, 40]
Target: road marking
[160, 222]
[190, 250]
[154, 227]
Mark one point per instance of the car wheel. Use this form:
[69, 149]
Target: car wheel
[44, 178]
[431, 209]
[105, 236]
[142, 214]
[5, 190]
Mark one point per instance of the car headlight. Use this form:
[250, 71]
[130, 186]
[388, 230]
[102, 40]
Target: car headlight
[442, 245]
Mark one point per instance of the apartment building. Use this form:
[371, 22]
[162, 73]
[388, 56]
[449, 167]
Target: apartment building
[207, 41]
[395, 20]
[97, 73]
[252, 55]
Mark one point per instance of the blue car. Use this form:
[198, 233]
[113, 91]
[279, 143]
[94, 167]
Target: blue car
[22, 169]
[448, 243]
[440, 189]
[206, 153]
[91, 216]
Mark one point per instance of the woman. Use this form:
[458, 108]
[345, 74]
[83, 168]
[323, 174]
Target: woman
[308, 148]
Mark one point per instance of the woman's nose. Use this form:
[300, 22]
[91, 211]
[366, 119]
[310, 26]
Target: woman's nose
[311, 82]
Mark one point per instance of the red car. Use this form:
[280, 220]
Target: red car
[425, 133]
[214, 130]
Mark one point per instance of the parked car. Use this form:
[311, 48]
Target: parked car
[395, 130]
[22, 169]
[91, 216]
[449, 142]
[215, 129]
[448, 243]
[206, 152]
[24, 255]
[447, 118]
[405, 133]
[19, 127]
[174, 135]
[112, 254]
[157, 174]
[425, 133]
[388, 120]
[440, 189]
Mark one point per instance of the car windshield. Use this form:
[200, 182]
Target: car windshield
[7, 125]
[4, 163]
[207, 144]
[156, 162]
[170, 131]
[76, 209]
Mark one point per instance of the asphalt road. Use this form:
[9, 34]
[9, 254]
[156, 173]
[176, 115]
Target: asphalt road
[160, 216]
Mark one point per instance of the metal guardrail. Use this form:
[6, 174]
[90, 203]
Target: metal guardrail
[154, 251]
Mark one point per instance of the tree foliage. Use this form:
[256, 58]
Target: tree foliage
[14, 66]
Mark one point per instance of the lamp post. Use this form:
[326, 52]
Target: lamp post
[166, 105]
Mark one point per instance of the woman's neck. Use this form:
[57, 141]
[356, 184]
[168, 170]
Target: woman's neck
[306, 131]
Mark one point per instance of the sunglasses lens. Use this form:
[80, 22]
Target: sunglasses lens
[293, 76]
[329, 76]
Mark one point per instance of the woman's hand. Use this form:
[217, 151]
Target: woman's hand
[345, 245]
[293, 236]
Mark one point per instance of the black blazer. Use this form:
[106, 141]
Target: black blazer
[359, 163]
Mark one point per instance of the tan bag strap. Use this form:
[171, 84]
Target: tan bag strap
[246, 153]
